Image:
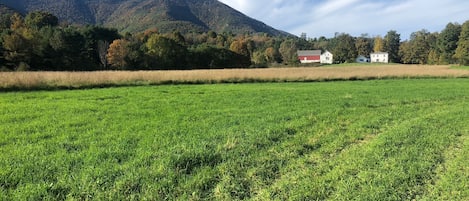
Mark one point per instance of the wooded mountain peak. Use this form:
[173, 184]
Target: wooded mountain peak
[140, 15]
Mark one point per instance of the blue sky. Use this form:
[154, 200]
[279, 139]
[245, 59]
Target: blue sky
[355, 17]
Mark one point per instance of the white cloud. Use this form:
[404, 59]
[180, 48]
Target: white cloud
[374, 17]
[332, 6]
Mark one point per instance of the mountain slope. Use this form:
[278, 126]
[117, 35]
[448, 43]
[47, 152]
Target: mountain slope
[139, 15]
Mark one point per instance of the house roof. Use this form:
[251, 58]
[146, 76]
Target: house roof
[309, 52]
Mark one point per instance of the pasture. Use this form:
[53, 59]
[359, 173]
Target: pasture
[12, 81]
[398, 139]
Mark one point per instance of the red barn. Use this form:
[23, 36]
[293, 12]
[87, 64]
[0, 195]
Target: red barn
[309, 56]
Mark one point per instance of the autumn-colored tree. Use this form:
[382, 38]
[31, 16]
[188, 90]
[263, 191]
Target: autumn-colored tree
[240, 46]
[117, 54]
[17, 22]
[378, 44]
[16, 49]
[272, 55]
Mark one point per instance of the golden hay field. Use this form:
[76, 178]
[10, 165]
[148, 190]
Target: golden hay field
[40, 80]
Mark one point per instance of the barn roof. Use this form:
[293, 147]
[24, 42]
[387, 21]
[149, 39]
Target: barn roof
[309, 52]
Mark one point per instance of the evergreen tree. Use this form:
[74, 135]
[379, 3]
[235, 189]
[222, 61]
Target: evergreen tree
[69, 46]
[97, 40]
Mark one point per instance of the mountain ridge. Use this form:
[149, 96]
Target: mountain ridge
[140, 15]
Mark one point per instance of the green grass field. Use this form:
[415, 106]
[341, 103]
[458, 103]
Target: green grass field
[460, 67]
[350, 140]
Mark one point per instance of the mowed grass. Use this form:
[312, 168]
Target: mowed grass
[351, 140]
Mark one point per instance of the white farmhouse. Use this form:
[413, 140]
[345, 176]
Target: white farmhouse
[379, 57]
[327, 57]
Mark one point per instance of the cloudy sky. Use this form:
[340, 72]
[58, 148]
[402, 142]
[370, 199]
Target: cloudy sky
[356, 17]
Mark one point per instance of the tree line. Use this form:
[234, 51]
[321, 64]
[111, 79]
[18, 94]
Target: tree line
[450, 46]
[38, 42]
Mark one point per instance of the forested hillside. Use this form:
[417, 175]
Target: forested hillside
[140, 15]
[39, 42]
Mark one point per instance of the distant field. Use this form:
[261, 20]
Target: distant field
[403, 139]
[60, 80]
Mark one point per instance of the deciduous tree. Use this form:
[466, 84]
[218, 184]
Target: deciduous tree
[103, 46]
[117, 55]
[272, 55]
[392, 41]
[344, 48]
[447, 43]
[378, 44]
[288, 51]
[407, 53]
[363, 46]
[17, 22]
[16, 49]
[417, 49]
[240, 46]
[39, 19]
[462, 52]
[166, 53]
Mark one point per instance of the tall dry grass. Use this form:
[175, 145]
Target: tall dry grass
[54, 80]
